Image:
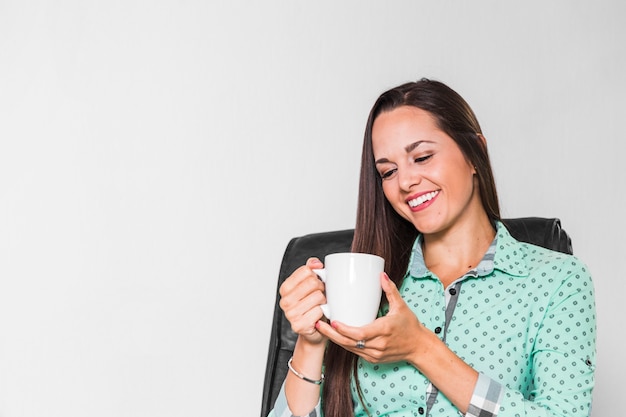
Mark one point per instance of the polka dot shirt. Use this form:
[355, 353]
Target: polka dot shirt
[524, 318]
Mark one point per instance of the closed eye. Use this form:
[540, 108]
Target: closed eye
[423, 158]
[387, 174]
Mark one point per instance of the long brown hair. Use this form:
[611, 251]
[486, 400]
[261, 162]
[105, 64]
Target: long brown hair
[380, 229]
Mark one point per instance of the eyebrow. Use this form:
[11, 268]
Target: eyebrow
[412, 146]
[407, 149]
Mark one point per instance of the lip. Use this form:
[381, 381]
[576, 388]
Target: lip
[423, 205]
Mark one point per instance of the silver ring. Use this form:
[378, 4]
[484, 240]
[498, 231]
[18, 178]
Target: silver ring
[360, 344]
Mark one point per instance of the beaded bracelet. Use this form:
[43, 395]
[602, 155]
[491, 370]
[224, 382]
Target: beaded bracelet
[299, 375]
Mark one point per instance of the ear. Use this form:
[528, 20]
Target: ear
[484, 142]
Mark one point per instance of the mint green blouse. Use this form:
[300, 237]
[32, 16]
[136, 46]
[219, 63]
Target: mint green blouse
[524, 318]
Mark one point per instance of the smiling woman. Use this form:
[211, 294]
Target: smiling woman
[431, 172]
[471, 318]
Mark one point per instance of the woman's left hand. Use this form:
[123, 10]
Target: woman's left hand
[393, 337]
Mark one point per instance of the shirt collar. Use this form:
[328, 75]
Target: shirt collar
[504, 254]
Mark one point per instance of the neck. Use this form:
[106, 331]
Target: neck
[451, 253]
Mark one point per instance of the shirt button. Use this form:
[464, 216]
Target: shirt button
[437, 330]
[452, 291]
[420, 410]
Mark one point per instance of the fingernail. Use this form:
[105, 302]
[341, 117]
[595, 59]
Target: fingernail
[317, 324]
[333, 324]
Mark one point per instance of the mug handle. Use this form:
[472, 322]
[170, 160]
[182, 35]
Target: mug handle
[321, 273]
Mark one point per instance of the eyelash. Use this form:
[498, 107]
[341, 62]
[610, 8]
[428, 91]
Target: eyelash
[419, 160]
[388, 174]
[423, 158]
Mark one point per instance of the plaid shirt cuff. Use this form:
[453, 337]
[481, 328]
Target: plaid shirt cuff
[486, 398]
[281, 409]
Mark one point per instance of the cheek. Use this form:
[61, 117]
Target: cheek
[460, 178]
[388, 189]
[465, 185]
[391, 194]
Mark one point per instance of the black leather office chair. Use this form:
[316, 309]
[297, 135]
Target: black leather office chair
[546, 232]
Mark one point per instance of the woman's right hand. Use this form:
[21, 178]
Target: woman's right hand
[301, 294]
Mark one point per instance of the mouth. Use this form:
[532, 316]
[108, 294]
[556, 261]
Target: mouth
[424, 198]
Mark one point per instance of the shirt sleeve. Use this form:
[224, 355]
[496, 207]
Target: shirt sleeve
[562, 358]
[486, 398]
[281, 409]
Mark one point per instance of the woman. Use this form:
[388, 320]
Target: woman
[472, 321]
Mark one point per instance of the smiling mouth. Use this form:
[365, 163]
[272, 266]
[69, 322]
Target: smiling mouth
[422, 199]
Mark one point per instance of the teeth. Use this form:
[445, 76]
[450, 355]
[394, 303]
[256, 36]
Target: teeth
[423, 198]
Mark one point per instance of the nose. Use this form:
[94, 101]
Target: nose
[408, 177]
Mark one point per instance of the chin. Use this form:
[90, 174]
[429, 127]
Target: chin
[428, 228]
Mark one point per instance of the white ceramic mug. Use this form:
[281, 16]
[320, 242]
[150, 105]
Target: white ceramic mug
[353, 288]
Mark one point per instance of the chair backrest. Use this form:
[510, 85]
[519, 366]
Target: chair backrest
[545, 232]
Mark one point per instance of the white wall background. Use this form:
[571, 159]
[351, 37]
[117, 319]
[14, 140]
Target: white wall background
[157, 156]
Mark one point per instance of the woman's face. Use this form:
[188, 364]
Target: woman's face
[425, 177]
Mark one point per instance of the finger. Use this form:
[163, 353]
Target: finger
[389, 287]
[365, 348]
[308, 294]
[314, 263]
[343, 334]
[331, 331]
[295, 280]
[354, 333]
[391, 291]
[306, 324]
